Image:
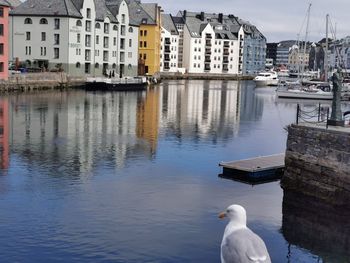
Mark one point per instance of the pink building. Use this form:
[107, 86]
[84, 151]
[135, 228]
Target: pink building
[4, 39]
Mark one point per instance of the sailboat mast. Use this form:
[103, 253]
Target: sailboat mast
[306, 36]
[326, 52]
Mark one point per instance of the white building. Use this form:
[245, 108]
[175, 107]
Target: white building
[169, 45]
[210, 43]
[79, 36]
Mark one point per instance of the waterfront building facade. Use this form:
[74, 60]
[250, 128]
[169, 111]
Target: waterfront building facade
[169, 45]
[209, 44]
[282, 53]
[91, 37]
[148, 17]
[4, 13]
[297, 59]
[339, 54]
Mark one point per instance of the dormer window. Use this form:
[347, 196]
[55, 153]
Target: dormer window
[43, 21]
[115, 28]
[144, 21]
[28, 21]
[78, 23]
[97, 25]
[88, 13]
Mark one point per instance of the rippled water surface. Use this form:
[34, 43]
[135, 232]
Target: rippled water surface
[133, 177]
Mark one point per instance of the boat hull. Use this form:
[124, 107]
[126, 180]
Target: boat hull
[305, 95]
[262, 83]
[110, 85]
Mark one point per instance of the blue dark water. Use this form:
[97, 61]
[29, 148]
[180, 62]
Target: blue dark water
[133, 177]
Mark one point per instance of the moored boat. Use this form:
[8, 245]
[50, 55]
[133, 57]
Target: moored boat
[116, 84]
[267, 78]
[317, 92]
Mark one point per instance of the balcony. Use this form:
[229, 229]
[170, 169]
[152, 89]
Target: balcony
[225, 68]
[226, 44]
[167, 41]
[226, 53]
[208, 43]
[208, 36]
[166, 58]
[225, 61]
[207, 60]
[207, 68]
[166, 50]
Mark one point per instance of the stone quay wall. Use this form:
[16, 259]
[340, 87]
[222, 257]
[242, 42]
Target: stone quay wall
[317, 164]
[40, 81]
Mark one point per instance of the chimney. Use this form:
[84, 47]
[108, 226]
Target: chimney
[221, 18]
[202, 16]
[184, 15]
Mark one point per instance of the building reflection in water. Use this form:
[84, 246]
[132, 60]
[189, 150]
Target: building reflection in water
[73, 131]
[320, 228]
[200, 110]
[4, 133]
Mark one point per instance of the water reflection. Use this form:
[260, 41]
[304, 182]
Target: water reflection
[316, 226]
[4, 133]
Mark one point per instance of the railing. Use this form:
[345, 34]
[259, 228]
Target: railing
[317, 115]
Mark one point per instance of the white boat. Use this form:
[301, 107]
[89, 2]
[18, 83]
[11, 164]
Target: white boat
[283, 73]
[267, 78]
[299, 92]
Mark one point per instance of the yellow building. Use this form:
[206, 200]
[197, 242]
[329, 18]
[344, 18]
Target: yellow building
[147, 16]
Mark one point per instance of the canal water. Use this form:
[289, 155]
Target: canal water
[134, 177]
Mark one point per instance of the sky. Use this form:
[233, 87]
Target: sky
[276, 19]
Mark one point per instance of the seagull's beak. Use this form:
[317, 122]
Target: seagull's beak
[222, 215]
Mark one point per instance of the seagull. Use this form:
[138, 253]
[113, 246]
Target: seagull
[239, 243]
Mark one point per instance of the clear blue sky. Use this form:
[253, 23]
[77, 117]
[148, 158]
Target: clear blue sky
[276, 19]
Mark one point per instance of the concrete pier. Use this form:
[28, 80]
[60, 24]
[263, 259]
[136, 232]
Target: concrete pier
[39, 81]
[317, 163]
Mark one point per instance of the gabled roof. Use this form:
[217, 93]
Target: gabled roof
[102, 11]
[168, 24]
[178, 20]
[10, 3]
[138, 15]
[47, 8]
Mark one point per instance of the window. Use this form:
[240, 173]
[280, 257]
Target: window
[97, 65]
[140, 43]
[122, 57]
[144, 56]
[1, 66]
[114, 41]
[122, 30]
[43, 36]
[105, 55]
[1, 12]
[78, 37]
[43, 21]
[123, 18]
[97, 40]
[78, 23]
[28, 50]
[129, 54]
[144, 44]
[88, 12]
[77, 65]
[56, 52]
[27, 35]
[106, 28]
[87, 26]
[141, 32]
[87, 40]
[114, 65]
[87, 55]
[130, 42]
[1, 29]
[28, 21]
[145, 33]
[57, 23]
[122, 43]
[56, 39]
[97, 25]
[131, 30]
[105, 42]
[115, 28]
[1, 49]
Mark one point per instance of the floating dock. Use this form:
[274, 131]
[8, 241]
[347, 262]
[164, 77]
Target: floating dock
[259, 169]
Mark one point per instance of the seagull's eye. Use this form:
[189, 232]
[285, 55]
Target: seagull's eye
[227, 211]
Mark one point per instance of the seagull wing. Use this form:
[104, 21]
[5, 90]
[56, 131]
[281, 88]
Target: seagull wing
[244, 246]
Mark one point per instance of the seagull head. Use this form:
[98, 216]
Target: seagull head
[236, 214]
